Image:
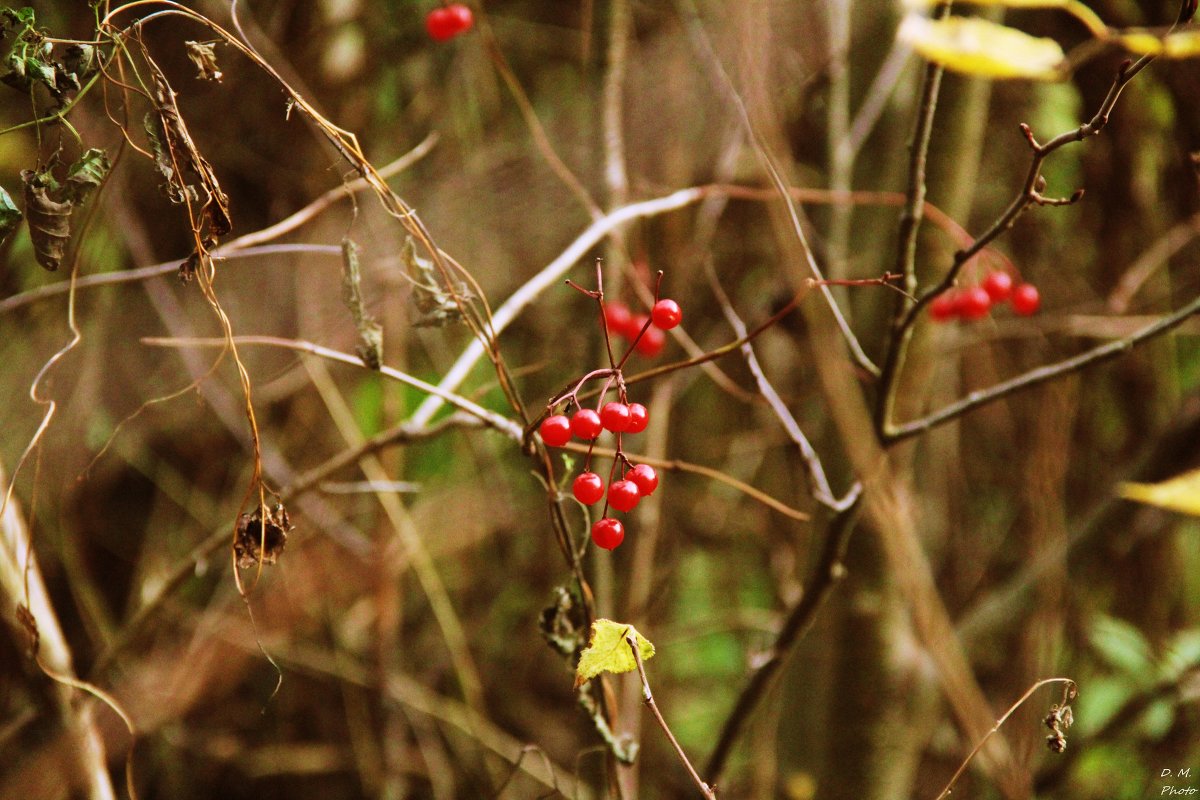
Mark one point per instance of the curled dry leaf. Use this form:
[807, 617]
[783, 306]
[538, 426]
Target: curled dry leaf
[204, 56]
[175, 154]
[433, 298]
[258, 541]
[49, 204]
[370, 332]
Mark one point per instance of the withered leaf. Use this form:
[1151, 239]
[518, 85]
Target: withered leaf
[49, 204]
[370, 332]
[435, 302]
[204, 56]
[174, 152]
[49, 217]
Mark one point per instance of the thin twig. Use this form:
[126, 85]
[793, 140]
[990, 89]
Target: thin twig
[1034, 377]
[818, 483]
[979, 745]
[1030, 194]
[701, 42]
[549, 276]
[910, 223]
[490, 418]
[648, 699]
[675, 465]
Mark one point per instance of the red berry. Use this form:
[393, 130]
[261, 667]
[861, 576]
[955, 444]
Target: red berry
[608, 533]
[1025, 300]
[586, 424]
[624, 495]
[638, 418]
[645, 477]
[998, 285]
[651, 343]
[944, 307]
[617, 318]
[446, 22]
[588, 488]
[974, 303]
[636, 323]
[615, 417]
[555, 430]
[666, 314]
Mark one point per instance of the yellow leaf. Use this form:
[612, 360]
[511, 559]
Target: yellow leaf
[925, 4]
[1182, 45]
[1140, 43]
[607, 650]
[983, 48]
[1181, 493]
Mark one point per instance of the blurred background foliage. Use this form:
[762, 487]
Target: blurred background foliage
[1043, 571]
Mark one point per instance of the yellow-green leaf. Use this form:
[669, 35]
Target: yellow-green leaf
[607, 650]
[1181, 493]
[983, 48]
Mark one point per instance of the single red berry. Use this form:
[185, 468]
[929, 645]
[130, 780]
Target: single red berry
[974, 303]
[588, 488]
[586, 424]
[624, 495]
[615, 417]
[555, 430]
[666, 314]
[446, 22]
[639, 417]
[944, 307]
[645, 477]
[998, 285]
[608, 533]
[651, 343]
[1025, 300]
[617, 318]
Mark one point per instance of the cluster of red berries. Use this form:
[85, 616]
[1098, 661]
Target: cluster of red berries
[976, 302]
[644, 333]
[639, 481]
[665, 315]
[447, 21]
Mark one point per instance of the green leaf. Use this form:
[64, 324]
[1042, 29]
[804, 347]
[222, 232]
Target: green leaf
[607, 651]
[1122, 646]
[10, 215]
[1181, 493]
[983, 48]
[18, 17]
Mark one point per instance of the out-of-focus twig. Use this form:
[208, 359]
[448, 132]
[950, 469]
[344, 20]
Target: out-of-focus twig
[22, 583]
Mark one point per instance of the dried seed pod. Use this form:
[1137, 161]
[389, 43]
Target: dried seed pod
[258, 541]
